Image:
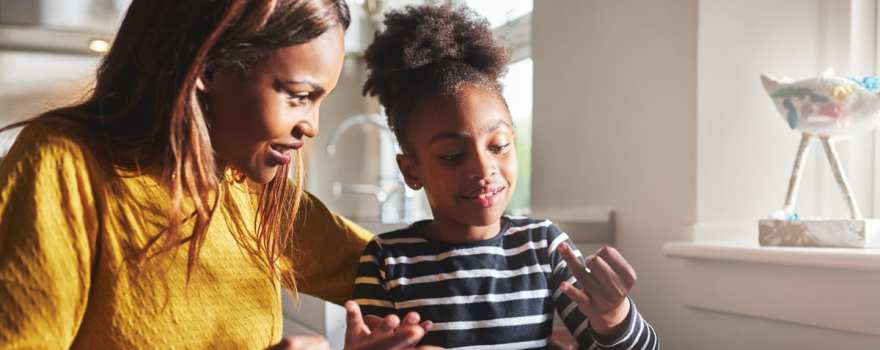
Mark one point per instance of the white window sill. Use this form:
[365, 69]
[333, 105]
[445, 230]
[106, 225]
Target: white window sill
[783, 284]
[746, 252]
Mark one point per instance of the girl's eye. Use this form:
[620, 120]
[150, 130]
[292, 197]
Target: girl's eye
[499, 148]
[451, 157]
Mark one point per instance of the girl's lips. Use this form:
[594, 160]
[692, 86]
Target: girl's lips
[486, 197]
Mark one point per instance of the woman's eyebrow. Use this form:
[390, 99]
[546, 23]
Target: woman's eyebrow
[316, 87]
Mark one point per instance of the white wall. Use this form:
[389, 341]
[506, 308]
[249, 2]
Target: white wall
[34, 82]
[656, 108]
[615, 124]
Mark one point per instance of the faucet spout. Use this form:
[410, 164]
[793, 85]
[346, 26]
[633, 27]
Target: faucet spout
[374, 120]
[395, 200]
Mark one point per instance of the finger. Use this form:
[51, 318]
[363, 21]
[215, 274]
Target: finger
[597, 286]
[373, 321]
[404, 337]
[307, 343]
[355, 328]
[578, 296]
[590, 286]
[426, 325]
[572, 262]
[282, 345]
[388, 325]
[622, 267]
[411, 319]
[608, 281]
[353, 315]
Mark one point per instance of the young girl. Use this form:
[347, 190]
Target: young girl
[487, 281]
[158, 213]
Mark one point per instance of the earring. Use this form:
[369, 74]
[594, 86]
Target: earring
[415, 185]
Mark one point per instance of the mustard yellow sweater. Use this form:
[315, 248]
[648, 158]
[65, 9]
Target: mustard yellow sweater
[68, 231]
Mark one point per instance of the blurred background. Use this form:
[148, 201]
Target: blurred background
[642, 124]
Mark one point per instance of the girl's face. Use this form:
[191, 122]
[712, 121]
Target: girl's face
[257, 119]
[463, 154]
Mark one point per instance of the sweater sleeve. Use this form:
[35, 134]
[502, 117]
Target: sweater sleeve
[326, 251]
[638, 333]
[48, 225]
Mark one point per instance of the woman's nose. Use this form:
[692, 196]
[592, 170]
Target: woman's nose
[307, 128]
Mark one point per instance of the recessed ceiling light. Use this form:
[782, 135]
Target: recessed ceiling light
[99, 45]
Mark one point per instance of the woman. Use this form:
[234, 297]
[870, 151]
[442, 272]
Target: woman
[158, 212]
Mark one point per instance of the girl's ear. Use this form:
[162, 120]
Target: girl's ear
[409, 169]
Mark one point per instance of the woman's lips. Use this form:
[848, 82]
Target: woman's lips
[280, 152]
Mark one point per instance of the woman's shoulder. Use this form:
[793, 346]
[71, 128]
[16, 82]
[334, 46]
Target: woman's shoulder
[53, 137]
[49, 146]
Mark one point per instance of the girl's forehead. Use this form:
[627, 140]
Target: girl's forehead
[462, 130]
[470, 107]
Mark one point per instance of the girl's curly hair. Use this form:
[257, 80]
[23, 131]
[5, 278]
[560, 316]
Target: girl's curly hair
[429, 50]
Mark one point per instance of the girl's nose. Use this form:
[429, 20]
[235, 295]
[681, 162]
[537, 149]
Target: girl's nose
[483, 167]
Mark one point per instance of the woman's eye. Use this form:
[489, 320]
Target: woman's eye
[299, 99]
[499, 148]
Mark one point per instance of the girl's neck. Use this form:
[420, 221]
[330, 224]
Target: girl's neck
[454, 232]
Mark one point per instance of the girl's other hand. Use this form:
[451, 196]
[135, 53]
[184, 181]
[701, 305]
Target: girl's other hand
[562, 340]
[605, 279]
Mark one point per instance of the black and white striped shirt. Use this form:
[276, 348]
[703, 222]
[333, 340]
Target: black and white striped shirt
[498, 293]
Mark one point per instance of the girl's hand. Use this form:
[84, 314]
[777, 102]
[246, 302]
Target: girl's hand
[605, 283]
[562, 340]
[376, 333]
[301, 343]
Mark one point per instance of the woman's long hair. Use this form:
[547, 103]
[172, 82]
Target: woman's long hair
[146, 106]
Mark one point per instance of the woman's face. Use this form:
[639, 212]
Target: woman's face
[257, 119]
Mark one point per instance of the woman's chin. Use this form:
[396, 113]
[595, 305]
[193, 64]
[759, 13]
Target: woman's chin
[262, 174]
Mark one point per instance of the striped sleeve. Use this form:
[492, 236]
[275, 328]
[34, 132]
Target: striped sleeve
[638, 333]
[370, 288]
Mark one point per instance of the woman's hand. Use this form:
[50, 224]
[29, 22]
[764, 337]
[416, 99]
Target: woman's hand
[605, 280]
[376, 333]
[301, 343]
